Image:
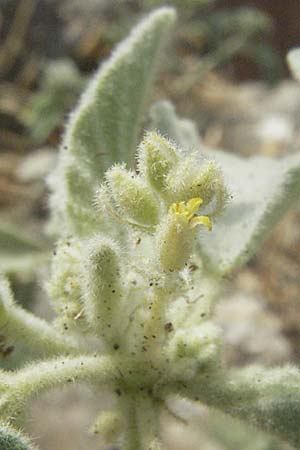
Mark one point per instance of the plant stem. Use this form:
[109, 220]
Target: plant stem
[147, 413]
[130, 437]
[39, 377]
[23, 328]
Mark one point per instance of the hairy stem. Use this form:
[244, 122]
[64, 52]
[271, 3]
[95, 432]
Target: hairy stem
[130, 435]
[148, 423]
[21, 386]
[23, 328]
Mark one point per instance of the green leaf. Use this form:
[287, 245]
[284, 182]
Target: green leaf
[234, 434]
[18, 252]
[266, 398]
[263, 190]
[106, 125]
[182, 131]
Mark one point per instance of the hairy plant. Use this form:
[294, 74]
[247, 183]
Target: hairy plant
[146, 234]
[45, 110]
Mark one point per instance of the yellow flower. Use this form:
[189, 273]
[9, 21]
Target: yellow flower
[189, 211]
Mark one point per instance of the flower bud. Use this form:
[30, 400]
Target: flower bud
[64, 287]
[195, 347]
[132, 196]
[190, 180]
[102, 286]
[156, 158]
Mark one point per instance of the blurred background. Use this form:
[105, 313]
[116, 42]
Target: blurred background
[226, 70]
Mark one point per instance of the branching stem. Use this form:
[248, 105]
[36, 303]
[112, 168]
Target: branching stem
[41, 339]
[21, 386]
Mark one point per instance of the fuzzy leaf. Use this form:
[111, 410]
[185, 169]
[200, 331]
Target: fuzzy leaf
[263, 190]
[182, 131]
[266, 398]
[106, 125]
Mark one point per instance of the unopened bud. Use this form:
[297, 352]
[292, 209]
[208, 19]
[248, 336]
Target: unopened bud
[195, 348]
[132, 196]
[102, 286]
[156, 158]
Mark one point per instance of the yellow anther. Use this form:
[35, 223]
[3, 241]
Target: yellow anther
[189, 211]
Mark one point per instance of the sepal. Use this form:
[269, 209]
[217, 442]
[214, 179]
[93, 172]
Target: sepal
[132, 196]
